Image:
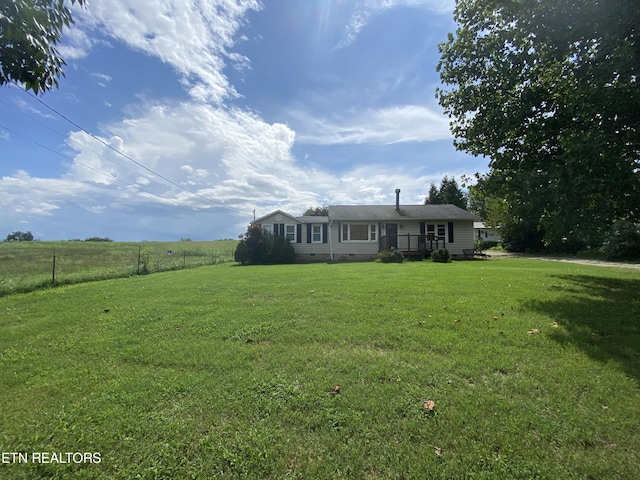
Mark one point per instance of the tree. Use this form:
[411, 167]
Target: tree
[29, 33]
[550, 93]
[316, 212]
[449, 192]
[19, 237]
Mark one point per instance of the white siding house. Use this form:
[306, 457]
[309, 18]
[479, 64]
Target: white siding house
[358, 232]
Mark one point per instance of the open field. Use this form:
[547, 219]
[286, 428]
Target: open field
[26, 266]
[232, 372]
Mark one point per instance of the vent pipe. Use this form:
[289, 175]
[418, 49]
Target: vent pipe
[397, 199]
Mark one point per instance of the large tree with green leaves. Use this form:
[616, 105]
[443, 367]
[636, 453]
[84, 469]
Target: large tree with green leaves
[30, 31]
[549, 91]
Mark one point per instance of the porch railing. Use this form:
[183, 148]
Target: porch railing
[410, 243]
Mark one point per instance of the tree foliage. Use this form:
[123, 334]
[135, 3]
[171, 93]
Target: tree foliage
[448, 193]
[30, 30]
[19, 237]
[549, 91]
[316, 212]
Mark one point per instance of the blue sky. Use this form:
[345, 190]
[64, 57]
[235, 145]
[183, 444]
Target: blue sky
[187, 117]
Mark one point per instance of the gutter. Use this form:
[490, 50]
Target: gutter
[331, 239]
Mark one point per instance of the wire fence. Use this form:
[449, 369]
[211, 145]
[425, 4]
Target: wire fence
[38, 265]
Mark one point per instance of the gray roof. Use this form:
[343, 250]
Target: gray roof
[407, 212]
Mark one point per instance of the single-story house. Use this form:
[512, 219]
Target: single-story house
[359, 232]
[484, 232]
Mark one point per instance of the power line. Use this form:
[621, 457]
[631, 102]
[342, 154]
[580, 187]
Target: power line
[63, 135]
[215, 202]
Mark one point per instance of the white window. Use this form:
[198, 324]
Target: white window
[431, 229]
[316, 233]
[290, 233]
[359, 232]
[267, 228]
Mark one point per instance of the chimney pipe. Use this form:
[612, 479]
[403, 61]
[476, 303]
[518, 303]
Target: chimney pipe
[397, 199]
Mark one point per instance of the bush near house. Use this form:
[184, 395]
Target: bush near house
[441, 255]
[259, 248]
[391, 255]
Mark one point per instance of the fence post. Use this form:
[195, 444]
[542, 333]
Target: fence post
[53, 270]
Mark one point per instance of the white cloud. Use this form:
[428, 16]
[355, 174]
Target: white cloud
[400, 124]
[25, 107]
[76, 43]
[43, 197]
[194, 37]
[367, 9]
[103, 79]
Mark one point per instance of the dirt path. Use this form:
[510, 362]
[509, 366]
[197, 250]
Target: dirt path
[581, 261]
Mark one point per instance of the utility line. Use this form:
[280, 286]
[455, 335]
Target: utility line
[64, 135]
[215, 202]
[69, 158]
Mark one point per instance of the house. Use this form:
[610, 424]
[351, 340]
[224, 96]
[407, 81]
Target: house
[484, 232]
[360, 232]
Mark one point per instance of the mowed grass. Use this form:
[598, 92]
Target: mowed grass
[27, 266]
[232, 372]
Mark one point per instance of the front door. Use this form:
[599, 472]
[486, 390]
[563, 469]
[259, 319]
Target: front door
[392, 235]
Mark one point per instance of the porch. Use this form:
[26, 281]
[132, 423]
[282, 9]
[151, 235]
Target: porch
[411, 244]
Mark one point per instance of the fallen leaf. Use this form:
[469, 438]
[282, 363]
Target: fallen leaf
[456, 321]
[336, 390]
[428, 405]
[605, 407]
[554, 324]
[495, 318]
[438, 450]
[533, 331]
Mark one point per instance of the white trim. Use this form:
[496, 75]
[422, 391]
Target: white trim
[313, 233]
[372, 231]
[286, 233]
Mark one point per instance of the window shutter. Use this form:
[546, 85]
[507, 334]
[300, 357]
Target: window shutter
[308, 233]
[299, 233]
[422, 228]
[325, 234]
[275, 229]
[450, 228]
[339, 232]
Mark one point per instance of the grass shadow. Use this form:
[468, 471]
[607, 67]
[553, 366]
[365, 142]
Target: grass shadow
[600, 315]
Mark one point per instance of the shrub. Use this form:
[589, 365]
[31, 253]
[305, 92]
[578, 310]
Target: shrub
[485, 244]
[98, 239]
[391, 255]
[281, 251]
[241, 255]
[441, 255]
[259, 248]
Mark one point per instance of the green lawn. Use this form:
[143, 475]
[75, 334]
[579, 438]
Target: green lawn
[230, 372]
